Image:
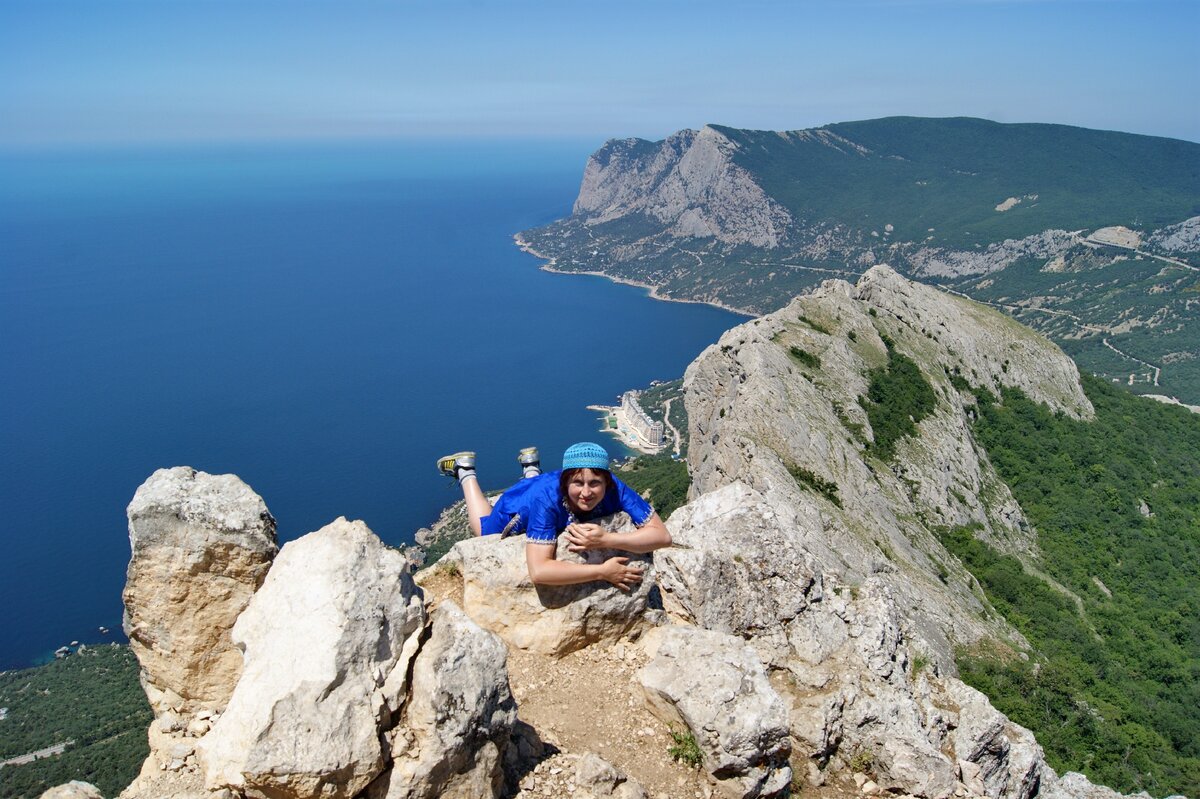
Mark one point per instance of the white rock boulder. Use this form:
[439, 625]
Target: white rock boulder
[328, 640]
[454, 729]
[74, 789]
[550, 620]
[715, 687]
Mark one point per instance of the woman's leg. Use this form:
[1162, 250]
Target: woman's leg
[461, 466]
[477, 504]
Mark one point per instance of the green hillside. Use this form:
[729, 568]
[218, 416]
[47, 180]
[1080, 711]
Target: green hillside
[950, 174]
[1113, 687]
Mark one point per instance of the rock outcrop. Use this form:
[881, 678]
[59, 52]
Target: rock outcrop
[688, 182]
[327, 640]
[825, 557]
[201, 546]
[796, 432]
[713, 685]
[455, 727]
[554, 620]
[344, 683]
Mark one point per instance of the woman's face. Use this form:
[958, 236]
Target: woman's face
[585, 490]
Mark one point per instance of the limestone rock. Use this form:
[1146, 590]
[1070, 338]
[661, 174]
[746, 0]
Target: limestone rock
[941, 262]
[1010, 761]
[451, 738]
[1074, 785]
[74, 789]
[981, 339]
[201, 546]
[689, 181]
[715, 686]
[734, 569]
[328, 640]
[798, 435]
[596, 778]
[553, 620]
[1181, 237]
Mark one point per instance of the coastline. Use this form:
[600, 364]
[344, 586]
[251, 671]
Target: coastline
[651, 290]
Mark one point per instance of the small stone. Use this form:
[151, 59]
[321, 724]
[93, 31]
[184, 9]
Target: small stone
[198, 727]
[870, 787]
[859, 779]
[170, 722]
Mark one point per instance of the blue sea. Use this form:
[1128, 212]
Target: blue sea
[321, 320]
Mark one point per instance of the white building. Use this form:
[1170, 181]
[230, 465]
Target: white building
[639, 421]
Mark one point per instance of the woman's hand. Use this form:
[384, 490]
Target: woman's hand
[618, 572]
[582, 537]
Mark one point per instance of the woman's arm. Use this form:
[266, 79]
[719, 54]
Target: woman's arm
[650, 536]
[545, 569]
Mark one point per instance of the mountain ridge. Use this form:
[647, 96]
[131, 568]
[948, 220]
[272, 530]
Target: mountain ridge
[749, 219]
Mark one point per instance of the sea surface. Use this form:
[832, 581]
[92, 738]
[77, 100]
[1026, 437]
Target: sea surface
[322, 320]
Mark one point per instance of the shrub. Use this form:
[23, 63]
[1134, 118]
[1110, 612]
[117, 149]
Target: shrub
[805, 357]
[898, 397]
[808, 479]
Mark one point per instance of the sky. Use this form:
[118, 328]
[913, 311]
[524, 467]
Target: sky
[134, 71]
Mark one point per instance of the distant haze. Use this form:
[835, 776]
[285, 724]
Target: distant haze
[76, 71]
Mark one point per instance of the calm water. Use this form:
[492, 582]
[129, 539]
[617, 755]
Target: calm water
[322, 321]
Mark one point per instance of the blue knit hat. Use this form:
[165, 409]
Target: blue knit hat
[585, 455]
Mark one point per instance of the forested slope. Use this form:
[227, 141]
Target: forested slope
[1115, 684]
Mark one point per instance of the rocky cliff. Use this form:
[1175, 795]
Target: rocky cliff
[688, 183]
[797, 638]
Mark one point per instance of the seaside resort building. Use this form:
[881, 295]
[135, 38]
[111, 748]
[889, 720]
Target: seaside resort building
[646, 428]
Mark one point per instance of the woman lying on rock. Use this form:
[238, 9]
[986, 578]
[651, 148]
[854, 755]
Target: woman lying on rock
[543, 505]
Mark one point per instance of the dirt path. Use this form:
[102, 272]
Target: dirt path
[667, 421]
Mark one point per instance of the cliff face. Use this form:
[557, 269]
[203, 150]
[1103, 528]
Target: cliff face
[688, 183]
[760, 417]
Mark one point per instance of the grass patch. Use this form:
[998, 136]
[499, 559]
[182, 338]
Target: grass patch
[862, 761]
[805, 357]
[684, 748]
[817, 326]
[808, 479]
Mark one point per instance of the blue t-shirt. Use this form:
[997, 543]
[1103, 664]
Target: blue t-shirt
[535, 507]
